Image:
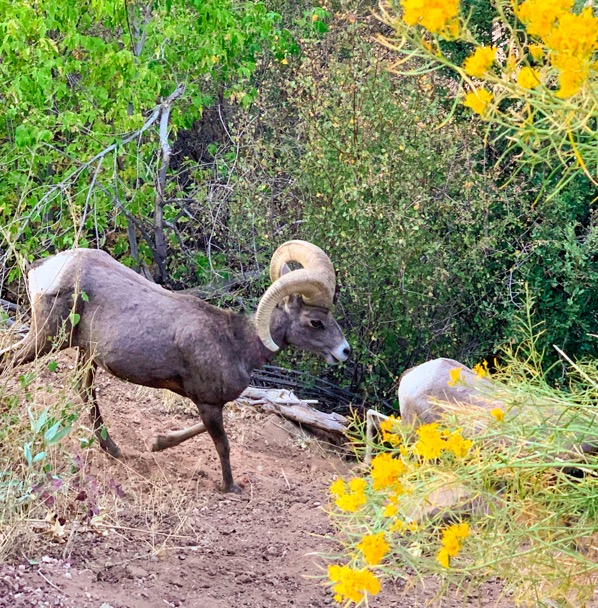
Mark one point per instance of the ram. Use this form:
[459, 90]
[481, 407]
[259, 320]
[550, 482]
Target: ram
[145, 334]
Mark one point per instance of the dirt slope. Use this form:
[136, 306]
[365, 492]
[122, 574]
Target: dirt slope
[165, 536]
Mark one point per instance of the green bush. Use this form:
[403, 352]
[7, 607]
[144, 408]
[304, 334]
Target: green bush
[434, 245]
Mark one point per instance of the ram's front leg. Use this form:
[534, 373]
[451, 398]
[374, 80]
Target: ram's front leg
[211, 416]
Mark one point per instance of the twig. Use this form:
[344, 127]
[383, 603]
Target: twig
[160, 237]
[84, 215]
[576, 367]
[48, 580]
[285, 478]
[155, 115]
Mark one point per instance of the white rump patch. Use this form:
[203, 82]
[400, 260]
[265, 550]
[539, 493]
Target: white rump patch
[46, 278]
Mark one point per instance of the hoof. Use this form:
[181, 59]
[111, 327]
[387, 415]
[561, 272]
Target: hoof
[112, 450]
[232, 488]
[161, 442]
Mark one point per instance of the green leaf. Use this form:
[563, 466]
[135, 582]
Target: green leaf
[53, 366]
[27, 452]
[39, 457]
[49, 434]
[61, 434]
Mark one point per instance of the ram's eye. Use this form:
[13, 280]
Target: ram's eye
[317, 324]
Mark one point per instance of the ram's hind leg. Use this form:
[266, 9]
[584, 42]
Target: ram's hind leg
[87, 367]
[32, 346]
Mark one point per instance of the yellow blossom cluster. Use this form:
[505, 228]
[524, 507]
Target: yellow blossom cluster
[478, 100]
[433, 441]
[373, 548]
[351, 584]
[400, 526]
[437, 16]
[539, 16]
[350, 500]
[455, 375]
[452, 539]
[498, 414]
[570, 38]
[481, 369]
[386, 471]
[387, 427]
[480, 62]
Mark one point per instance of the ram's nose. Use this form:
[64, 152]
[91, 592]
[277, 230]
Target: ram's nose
[342, 352]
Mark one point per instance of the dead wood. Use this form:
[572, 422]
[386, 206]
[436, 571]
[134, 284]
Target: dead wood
[289, 406]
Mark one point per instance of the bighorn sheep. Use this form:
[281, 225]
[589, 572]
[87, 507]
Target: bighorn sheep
[140, 332]
[423, 386]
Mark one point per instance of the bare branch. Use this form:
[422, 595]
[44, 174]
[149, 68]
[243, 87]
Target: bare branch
[155, 115]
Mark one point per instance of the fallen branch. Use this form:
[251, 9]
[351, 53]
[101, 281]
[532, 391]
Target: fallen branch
[286, 404]
[6, 305]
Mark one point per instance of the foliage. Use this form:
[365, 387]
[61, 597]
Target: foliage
[528, 521]
[78, 77]
[537, 83]
[43, 473]
[432, 253]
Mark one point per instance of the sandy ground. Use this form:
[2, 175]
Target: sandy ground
[165, 535]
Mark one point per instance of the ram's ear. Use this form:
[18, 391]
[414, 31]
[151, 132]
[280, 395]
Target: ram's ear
[285, 269]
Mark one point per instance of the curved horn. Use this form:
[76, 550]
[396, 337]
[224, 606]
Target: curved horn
[315, 282]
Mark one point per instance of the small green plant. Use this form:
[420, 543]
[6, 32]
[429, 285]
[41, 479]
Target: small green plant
[46, 432]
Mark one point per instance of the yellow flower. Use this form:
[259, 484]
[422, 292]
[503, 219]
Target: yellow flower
[373, 547]
[338, 488]
[452, 539]
[455, 375]
[358, 485]
[481, 60]
[350, 502]
[457, 445]
[573, 74]
[444, 558]
[528, 78]
[536, 51]
[478, 100]
[386, 471]
[576, 35]
[498, 414]
[352, 584]
[390, 510]
[437, 16]
[481, 369]
[388, 436]
[430, 443]
[539, 16]
[398, 525]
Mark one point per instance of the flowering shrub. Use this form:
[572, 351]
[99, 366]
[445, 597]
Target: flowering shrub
[536, 83]
[413, 510]
[377, 501]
